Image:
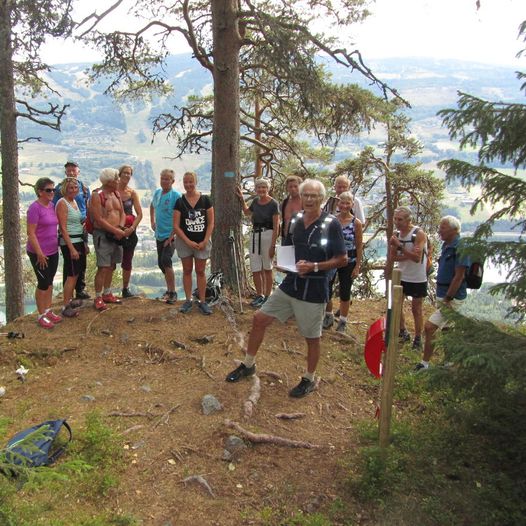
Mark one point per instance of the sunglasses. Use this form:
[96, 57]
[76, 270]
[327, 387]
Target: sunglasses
[48, 190]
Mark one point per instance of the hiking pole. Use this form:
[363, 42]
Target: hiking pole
[233, 242]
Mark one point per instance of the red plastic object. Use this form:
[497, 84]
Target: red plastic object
[375, 346]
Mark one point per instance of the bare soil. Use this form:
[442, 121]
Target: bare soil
[145, 358]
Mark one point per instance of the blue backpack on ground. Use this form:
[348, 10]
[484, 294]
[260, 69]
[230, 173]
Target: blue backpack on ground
[33, 447]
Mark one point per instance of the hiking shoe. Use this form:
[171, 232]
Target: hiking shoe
[52, 317]
[240, 372]
[126, 293]
[164, 297]
[110, 298]
[171, 298]
[45, 323]
[417, 343]
[69, 312]
[328, 320]
[82, 295]
[303, 388]
[205, 308]
[419, 367]
[342, 325]
[99, 304]
[257, 301]
[404, 336]
[186, 306]
[75, 304]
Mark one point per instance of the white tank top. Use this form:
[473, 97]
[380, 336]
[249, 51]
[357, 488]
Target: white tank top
[411, 271]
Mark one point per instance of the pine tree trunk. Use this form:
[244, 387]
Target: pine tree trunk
[226, 256]
[14, 288]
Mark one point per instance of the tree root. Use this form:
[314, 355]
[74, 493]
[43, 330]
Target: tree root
[260, 438]
[252, 400]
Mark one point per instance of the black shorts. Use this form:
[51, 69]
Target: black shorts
[415, 290]
[45, 276]
[73, 267]
[164, 254]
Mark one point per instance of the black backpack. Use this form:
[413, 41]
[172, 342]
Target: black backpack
[475, 275]
[214, 283]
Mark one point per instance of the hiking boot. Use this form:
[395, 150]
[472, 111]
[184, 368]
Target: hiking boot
[342, 325]
[328, 320]
[240, 372]
[404, 336]
[302, 389]
[69, 312]
[186, 307]
[164, 297]
[75, 304]
[126, 293]
[417, 343]
[82, 295]
[53, 318]
[419, 367]
[172, 298]
[45, 323]
[205, 308]
[110, 298]
[99, 304]
[257, 301]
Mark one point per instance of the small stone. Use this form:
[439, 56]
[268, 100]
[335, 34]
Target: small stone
[124, 337]
[138, 445]
[227, 456]
[2, 391]
[235, 446]
[173, 312]
[130, 320]
[210, 404]
[87, 398]
[204, 340]
[146, 388]
[106, 332]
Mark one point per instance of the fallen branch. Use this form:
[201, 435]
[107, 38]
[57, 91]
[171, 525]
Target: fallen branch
[130, 415]
[252, 400]
[290, 416]
[132, 428]
[260, 438]
[200, 480]
[93, 319]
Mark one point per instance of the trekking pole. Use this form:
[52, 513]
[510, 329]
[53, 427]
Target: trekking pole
[233, 242]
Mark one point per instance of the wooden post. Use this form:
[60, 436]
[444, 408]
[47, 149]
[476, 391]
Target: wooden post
[395, 299]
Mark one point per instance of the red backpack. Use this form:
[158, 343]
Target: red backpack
[89, 223]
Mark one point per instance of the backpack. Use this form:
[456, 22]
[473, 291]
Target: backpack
[213, 288]
[89, 223]
[30, 451]
[475, 275]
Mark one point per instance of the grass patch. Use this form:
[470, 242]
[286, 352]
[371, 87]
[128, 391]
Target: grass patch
[70, 492]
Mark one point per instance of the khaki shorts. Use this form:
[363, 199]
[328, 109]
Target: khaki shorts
[308, 316]
[260, 260]
[184, 251]
[108, 253]
[437, 318]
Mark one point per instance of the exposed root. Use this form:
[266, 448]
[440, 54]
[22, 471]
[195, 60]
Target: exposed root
[260, 438]
[270, 374]
[252, 400]
[165, 417]
[130, 415]
[200, 480]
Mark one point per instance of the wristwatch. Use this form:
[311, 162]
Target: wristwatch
[316, 268]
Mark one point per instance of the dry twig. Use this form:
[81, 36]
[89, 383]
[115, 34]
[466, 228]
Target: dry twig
[290, 416]
[200, 480]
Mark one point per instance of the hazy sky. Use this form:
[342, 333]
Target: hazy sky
[406, 28]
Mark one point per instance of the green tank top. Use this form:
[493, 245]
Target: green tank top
[73, 224]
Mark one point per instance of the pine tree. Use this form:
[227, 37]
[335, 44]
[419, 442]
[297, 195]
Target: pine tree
[498, 130]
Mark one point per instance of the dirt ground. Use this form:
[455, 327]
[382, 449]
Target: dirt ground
[145, 358]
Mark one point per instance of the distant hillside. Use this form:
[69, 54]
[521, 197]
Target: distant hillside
[99, 132]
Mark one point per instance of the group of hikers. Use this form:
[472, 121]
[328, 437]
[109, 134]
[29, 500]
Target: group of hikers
[326, 236]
